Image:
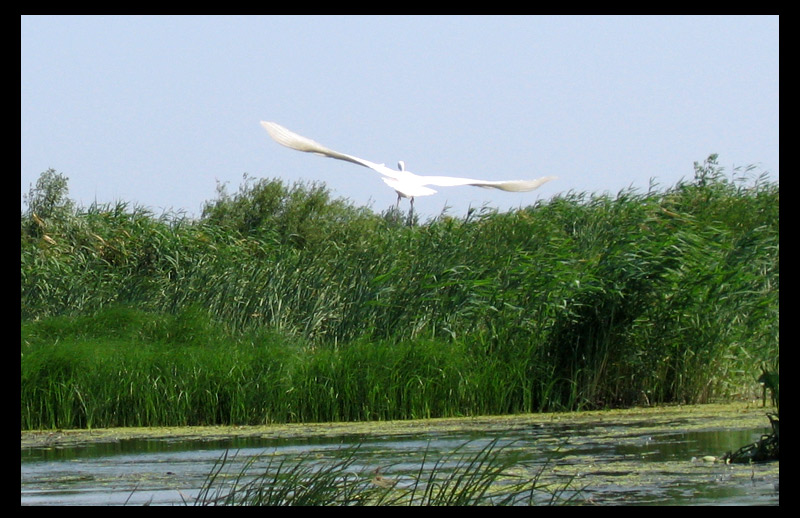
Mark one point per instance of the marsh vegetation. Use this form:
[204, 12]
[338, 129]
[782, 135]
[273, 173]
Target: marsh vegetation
[281, 304]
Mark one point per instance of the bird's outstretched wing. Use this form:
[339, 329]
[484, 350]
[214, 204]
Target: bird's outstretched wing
[505, 185]
[292, 140]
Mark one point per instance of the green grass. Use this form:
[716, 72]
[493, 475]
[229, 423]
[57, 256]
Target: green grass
[281, 304]
[148, 370]
[487, 477]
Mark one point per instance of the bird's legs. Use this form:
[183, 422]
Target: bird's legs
[397, 206]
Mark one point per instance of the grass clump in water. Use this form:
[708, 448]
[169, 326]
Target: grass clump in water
[459, 478]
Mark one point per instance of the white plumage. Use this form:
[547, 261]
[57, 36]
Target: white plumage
[405, 183]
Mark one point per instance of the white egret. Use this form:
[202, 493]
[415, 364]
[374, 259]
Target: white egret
[405, 183]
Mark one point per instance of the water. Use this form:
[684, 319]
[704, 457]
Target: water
[622, 461]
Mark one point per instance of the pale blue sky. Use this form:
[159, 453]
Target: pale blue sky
[154, 110]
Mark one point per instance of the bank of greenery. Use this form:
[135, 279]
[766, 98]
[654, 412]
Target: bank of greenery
[281, 304]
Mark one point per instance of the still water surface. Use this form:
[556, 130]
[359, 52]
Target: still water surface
[609, 460]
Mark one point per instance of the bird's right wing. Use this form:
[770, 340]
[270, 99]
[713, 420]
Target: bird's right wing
[505, 185]
[292, 140]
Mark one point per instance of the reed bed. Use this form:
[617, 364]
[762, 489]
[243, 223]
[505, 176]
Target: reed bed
[281, 304]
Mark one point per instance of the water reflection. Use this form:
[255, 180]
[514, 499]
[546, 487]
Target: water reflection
[616, 464]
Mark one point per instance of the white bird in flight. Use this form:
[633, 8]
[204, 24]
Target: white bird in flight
[405, 183]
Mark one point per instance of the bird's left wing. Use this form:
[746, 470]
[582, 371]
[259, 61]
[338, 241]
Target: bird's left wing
[292, 140]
